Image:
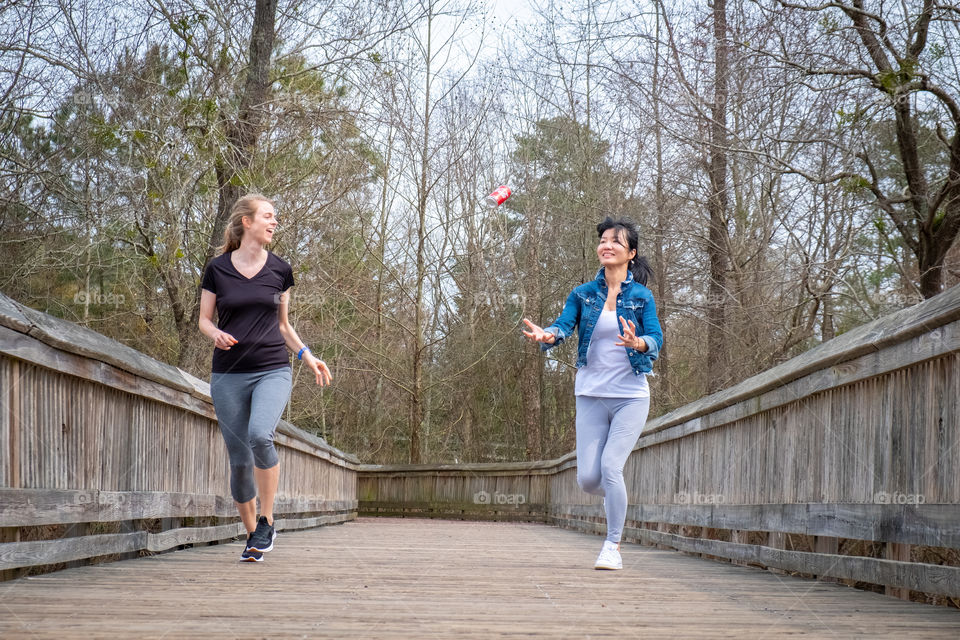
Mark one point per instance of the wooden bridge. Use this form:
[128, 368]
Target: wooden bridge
[757, 509]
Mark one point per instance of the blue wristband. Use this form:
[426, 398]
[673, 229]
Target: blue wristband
[300, 353]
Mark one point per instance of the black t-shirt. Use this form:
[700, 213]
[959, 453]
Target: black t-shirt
[247, 310]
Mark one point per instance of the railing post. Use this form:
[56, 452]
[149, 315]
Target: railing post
[776, 540]
[741, 537]
[9, 534]
[15, 418]
[826, 544]
[901, 552]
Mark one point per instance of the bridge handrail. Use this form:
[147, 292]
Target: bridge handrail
[105, 451]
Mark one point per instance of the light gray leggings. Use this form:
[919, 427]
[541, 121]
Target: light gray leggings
[607, 430]
[248, 407]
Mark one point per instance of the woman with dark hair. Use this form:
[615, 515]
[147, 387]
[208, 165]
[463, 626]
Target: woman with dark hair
[251, 381]
[619, 338]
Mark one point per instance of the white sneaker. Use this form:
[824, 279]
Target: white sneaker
[609, 557]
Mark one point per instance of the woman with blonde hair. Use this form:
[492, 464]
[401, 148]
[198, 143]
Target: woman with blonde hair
[251, 379]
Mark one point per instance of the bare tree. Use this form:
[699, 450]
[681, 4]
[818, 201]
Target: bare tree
[902, 56]
[717, 201]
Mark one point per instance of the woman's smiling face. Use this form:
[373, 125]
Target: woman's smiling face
[613, 250]
[263, 224]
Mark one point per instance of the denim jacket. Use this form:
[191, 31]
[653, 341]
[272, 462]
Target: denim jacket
[582, 310]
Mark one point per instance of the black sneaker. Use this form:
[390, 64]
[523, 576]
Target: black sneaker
[262, 538]
[251, 555]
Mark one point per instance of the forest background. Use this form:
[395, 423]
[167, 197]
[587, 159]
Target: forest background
[794, 169]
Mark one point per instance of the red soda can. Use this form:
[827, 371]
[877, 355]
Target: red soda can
[497, 198]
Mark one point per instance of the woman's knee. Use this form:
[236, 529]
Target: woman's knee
[611, 473]
[242, 486]
[264, 452]
[590, 483]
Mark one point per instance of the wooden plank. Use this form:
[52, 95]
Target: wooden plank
[928, 578]
[33, 507]
[11, 315]
[14, 555]
[479, 516]
[446, 509]
[192, 535]
[542, 467]
[295, 439]
[317, 446]
[293, 524]
[454, 507]
[137, 505]
[285, 504]
[936, 525]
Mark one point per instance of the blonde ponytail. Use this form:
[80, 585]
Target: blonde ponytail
[245, 207]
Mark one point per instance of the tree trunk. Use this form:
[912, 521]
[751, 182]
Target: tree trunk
[530, 396]
[416, 395]
[380, 252]
[931, 274]
[718, 245]
[531, 360]
[827, 329]
[935, 230]
[241, 135]
[660, 264]
[240, 144]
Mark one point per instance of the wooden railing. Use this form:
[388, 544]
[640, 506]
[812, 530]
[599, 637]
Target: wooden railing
[843, 463]
[508, 491]
[105, 452]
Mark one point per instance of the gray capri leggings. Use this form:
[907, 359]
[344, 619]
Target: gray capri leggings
[248, 407]
[607, 430]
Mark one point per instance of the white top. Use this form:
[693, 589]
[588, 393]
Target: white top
[608, 373]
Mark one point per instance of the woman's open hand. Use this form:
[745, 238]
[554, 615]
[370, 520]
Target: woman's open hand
[629, 337]
[537, 334]
[319, 368]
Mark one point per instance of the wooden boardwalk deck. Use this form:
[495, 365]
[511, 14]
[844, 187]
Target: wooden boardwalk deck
[438, 579]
